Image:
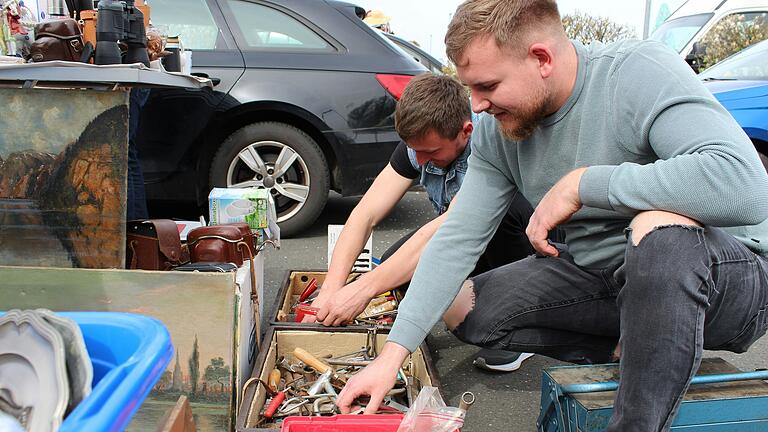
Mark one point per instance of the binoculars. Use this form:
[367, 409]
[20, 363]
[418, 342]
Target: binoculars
[120, 21]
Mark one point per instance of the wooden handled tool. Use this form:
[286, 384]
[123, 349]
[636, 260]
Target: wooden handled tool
[274, 380]
[310, 360]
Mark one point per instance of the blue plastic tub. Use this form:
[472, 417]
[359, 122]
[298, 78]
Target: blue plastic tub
[129, 354]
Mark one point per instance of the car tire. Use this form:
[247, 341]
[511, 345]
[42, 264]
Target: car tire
[280, 158]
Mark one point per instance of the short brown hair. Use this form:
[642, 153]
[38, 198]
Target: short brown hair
[505, 20]
[436, 102]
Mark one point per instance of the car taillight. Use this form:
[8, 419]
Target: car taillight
[394, 84]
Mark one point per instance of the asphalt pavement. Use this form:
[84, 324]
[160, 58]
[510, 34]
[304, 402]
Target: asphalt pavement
[505, 401]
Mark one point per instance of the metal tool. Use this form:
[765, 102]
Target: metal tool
[467, 399]
[324, 379]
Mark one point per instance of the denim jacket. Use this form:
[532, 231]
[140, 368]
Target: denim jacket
[442, 184]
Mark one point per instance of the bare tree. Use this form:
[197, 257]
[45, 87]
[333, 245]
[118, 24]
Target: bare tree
[587, 28]
[731, 35]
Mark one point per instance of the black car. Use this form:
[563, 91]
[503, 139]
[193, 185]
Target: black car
[418, 54]
[303, 103]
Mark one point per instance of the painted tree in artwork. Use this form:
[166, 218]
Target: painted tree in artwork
[217, 372]
[194, 368]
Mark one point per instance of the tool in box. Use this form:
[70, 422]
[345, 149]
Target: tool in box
[308, 385]
[381, 310]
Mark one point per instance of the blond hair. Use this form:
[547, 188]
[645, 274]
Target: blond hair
[432, 102]
[507, 21]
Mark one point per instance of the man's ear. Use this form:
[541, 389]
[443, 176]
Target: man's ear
[467, 128]
[543, 56]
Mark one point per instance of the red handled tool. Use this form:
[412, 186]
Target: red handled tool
[302, 310]
[274, 405]
[311, 287]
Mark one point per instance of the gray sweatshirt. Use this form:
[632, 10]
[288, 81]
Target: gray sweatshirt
[652, 136]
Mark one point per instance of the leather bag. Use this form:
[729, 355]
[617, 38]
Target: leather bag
[153, 245]
[57, 40]
[221, 243]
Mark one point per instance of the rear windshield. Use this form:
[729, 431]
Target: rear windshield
[678, 32]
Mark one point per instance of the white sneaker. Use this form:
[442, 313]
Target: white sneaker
[500, 360]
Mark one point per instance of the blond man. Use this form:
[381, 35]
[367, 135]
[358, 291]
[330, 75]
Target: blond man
[433, 118]
[661, 195]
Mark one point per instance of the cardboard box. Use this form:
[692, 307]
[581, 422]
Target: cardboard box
[294, 283]
[228, 205]
[281, 341]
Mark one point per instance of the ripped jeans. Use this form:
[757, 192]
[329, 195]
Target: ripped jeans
[681, 290]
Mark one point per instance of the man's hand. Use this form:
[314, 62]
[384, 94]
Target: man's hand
[557, 206]
[346, 304]
[375, 380]
[326, 294]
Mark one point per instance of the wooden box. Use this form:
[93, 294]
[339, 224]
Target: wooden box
[294, 283]
[281, 341]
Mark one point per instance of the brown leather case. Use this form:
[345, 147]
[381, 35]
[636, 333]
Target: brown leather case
[153, 245]
[57, 40]
[218, 243]
[248, 236]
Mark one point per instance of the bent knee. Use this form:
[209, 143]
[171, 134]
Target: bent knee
[647, 221]
[462, 304]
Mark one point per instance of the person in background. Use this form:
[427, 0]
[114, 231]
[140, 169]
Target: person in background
[378, 19]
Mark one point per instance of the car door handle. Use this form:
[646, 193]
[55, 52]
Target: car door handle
[215, 81]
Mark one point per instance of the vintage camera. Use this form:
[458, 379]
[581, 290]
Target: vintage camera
[120, 21]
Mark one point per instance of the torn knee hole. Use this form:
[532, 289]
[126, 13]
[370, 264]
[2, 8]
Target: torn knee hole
[461, 306]
[637, 236]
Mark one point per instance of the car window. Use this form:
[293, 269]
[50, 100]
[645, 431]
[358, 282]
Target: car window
[678, 32]
[266, 27]
[190, 19]
[748, 64]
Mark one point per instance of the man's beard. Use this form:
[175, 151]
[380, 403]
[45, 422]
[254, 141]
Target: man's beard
[527, 119]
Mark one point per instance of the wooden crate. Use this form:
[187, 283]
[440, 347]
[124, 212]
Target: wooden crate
[294, 283]
[281, 341]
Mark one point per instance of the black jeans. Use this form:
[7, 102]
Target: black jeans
[679, 291]
[136, 201]
[508, 245]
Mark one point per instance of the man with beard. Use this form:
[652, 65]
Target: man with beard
[661, 195]
[434, 119]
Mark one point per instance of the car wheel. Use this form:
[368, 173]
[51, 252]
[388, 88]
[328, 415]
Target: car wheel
[282, 159]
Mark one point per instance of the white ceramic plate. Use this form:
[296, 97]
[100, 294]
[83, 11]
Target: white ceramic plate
[79, 367]
[32, 362]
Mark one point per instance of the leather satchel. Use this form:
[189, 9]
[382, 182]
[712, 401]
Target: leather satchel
[153, 245]
[221, 243]
[57, 40]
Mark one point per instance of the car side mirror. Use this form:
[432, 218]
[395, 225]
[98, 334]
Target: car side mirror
[695, 57]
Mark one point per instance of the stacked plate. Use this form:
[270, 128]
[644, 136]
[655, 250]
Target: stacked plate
[45, 370]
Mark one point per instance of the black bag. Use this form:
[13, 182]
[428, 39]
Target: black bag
[57, 40]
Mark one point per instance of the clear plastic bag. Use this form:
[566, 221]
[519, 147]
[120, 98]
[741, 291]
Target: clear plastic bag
[430, 414]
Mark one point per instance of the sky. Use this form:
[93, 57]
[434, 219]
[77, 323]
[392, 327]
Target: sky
[425, 21]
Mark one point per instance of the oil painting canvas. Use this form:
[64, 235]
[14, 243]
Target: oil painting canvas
[63, 170]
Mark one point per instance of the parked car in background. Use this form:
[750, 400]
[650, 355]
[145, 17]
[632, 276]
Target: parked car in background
[421, 56]
[304, 103]
[740, 83]
[691, 22]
